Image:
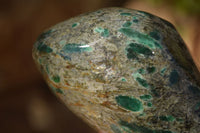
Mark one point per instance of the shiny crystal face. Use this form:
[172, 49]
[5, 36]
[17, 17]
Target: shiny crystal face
[122, 70]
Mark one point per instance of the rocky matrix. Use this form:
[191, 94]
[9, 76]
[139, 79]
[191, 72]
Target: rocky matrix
[122, 71]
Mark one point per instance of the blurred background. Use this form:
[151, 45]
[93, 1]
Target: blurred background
[26, 104]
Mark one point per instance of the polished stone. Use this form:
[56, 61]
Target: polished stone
[122, 70]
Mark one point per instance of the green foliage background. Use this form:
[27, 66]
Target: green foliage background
[187, 6]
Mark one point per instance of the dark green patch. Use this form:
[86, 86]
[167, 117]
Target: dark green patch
[141, 129]
[162, 71]
[76, 48]
[195, 90]
[174, 77]
[145, 97]
[44, 48]
[129, 103]
[127, 24]
[56, 79]
[140, 37]
[168, 118]
[135, 20]
[133, 49]
[74, 25]
[140, 49]
[141, 71]
[151, 69]
[142, 82]
[123, 79]
[155, 35]
[131, 54]
[149, 104]
[58, 90]
[125, 14]
[105, 33]
[115, 128]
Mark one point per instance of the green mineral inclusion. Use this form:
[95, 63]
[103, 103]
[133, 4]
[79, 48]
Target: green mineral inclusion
[56, 79]
[104, 32]
[76, 48]
[44, 48]
[74, 25]
[134, 49]
[125, 14]
[135, 20]
[151, 69]
[58, 90]
[149, 104]
[145, 97]
[162, 71]
[148, 69]
[127, 24]
[123, 79]
[142, 82]
[141, 71]
[129, 103]
[140, 37]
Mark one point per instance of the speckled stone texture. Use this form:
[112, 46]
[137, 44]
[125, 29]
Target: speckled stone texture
[122, 71]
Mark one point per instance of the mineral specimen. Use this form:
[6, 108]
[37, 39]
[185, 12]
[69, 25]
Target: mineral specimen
[122, 70]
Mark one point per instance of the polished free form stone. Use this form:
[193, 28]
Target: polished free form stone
[122, 70]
